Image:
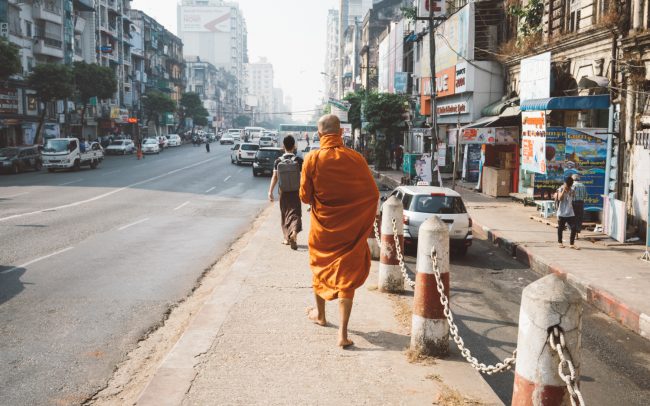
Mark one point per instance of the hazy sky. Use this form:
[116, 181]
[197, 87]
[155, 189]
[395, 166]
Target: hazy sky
[290, 33]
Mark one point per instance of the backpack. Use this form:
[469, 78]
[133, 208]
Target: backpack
[289, 174]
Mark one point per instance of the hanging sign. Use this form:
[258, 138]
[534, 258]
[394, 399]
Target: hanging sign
[533, 141]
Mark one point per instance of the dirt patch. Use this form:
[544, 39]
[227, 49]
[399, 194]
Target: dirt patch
[415, 357]
[403, 311]
[132, 375]
[451, 397]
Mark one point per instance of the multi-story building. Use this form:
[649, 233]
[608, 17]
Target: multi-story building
[260, 85]
[351, 13]
[215, 31]
[332, 53]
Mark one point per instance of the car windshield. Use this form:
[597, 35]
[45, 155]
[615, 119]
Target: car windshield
[265, 139]
[8, 152]
[55, 145]
[118, 143]
[268, 154]
[250, 147]
[150, 141]
[439, 204]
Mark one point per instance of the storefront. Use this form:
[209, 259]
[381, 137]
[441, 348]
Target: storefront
[557, 142]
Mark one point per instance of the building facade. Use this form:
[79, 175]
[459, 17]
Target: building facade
[215, 31]
[331, 54]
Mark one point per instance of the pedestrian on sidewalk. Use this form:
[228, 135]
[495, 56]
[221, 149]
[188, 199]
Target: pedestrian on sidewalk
[565, 214]
[343, 213]
[580, 195]
[286, 174]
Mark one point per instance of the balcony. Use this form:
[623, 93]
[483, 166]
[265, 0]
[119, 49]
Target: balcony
[48, 12]
[48, 47]
[84, 5]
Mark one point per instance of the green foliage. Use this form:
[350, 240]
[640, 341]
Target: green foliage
[52, 81]
[201, 117]
[354, 115]
[530, 17]
[10, 57]
[93, 80]
[409, 13]
[242, 121]
[385, 115]
[191, 106]
[327, 109]
[156, 103]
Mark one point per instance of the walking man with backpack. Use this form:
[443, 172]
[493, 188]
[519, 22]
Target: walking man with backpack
[286, 174]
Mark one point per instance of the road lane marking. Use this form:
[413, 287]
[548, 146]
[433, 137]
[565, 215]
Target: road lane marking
[132, 224]
[33, 261]
[228, 178]
[105, 195]
[182, 205]
[211, 189]
[70, 183]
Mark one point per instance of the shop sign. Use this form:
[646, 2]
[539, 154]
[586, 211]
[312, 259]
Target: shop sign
[120, 116]
[533, 143]
[461, 78]
[8, 101]
[485, 135]
[452, 108]
[446, 82]
[535, 77]
[439, 8]
[347, 130]
[401, 82]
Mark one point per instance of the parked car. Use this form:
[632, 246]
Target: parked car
[18, 159]
[244, 152]
[266, 142]
[174, 140]
[422, 202]
[70, 153]
[227, 139]
[315, 137]
[150, 146]
[264, 160]
[120, 147]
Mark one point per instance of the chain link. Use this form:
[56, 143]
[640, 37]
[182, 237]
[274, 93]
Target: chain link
[504, 366]
[377, 236]
[400, 256]
[558, 344]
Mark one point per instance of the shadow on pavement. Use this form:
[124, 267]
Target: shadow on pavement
[386, 340]
[10, 284]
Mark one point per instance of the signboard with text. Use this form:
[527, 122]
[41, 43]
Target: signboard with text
[586, 155]
[452, 108]
[8, 101]
[446, 82]
[439, 8]
[533, 141]
[535, 77]
[205, 19]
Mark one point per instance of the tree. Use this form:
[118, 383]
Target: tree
[354, 114]
[91, 81]
[201, 117]
[51, 81]
[156, 103]
[242, 121]
[10, 57]
[190, 105]
[385, 115]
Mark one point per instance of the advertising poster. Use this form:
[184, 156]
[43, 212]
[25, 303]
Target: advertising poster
[546, 185]
[533, 141]
[423, 168]
[205, 19]
[485, 135]
[586, 155]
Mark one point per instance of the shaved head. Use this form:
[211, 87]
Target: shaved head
[329, 124]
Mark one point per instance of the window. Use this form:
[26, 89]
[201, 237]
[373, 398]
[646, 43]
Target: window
[573, 16]
[439, 204]
[28, 29]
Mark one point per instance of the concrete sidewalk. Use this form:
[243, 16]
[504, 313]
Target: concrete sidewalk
[252, 344]
[610, 277]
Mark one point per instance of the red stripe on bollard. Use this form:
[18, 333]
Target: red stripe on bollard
[389, 255]
[426, 302]
[527, 393]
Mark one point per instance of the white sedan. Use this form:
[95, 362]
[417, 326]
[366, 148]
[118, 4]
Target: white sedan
[150, 146]
[174, 140]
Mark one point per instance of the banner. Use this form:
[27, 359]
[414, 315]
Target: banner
[205, 19]
[423, 168]
[533, 141]
[586, 155]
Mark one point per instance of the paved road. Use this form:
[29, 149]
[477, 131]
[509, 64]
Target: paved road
[486, 294]
[91, 260]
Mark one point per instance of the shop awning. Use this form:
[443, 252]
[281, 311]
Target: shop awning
[600, 102]
[483, 122]
[498, 107]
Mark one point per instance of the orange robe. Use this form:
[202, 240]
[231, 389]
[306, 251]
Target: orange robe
[337, 182]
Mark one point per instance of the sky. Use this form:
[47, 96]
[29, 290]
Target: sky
[291, 34]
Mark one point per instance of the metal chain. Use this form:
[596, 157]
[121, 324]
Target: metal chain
[400, 257]
[558, 344]
[507, 363]
[377, 236]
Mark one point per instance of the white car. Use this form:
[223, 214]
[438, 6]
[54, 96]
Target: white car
[120, 147]
[150, 146]
[174, 140]
[227, 139]
[422, 202]
[244, 152]
[266, 142]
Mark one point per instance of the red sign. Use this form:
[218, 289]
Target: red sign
[446, 82]
[132, 120]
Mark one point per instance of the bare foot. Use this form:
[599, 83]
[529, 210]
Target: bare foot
[345, 342]
[312, 314]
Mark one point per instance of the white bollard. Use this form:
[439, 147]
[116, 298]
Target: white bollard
[546, 303]
[429, 327]
[390, 275]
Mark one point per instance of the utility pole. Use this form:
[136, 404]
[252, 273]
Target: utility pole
[432, 63]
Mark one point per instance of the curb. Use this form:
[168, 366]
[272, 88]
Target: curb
[384, 179]
[601, 299]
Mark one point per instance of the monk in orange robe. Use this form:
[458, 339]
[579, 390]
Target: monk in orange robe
[337, 183]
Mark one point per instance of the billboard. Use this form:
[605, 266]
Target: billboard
[535, 77]
[205, 19]
[455, 39]
[586, 155]
[439, 8]
[533, 141]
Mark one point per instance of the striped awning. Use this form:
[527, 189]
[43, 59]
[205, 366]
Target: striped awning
[600, 102]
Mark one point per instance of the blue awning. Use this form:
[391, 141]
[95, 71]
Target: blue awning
[600, 102]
